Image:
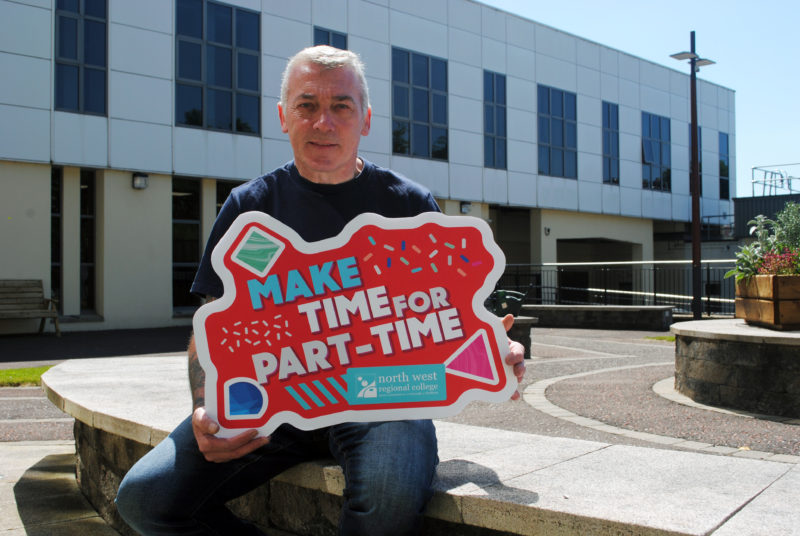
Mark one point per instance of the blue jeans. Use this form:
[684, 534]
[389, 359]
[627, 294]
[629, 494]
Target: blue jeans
[388, 469]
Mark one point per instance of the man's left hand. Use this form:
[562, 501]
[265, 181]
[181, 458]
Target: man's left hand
[516, 355]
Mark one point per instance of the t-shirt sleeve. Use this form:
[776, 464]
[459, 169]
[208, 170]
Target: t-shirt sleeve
[206, 281]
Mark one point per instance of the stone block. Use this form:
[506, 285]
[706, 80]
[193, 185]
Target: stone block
[303, 511]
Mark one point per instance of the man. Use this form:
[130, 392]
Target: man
[181, 486]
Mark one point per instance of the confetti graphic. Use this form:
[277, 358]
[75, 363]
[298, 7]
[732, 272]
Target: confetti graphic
[384, 321]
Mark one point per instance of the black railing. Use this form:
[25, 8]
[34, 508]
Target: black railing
[623, 283]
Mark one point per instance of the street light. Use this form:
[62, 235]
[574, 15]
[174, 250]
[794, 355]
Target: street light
[695, 63]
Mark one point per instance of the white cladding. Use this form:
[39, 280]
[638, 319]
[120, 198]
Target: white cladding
[139, 131]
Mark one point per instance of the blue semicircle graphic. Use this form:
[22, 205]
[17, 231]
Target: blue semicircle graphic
[244, 399]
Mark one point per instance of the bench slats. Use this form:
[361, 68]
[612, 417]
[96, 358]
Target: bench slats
[24, 298]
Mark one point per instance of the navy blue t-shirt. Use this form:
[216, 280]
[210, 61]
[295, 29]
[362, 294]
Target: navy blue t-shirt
[314, 211]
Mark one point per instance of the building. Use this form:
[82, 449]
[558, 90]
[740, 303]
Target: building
[123, 125]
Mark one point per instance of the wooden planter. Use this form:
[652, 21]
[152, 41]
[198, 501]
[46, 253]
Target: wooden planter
[771, 301]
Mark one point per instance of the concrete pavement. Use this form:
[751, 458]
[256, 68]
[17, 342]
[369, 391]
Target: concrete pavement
[582, 384]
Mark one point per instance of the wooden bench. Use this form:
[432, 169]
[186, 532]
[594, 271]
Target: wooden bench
[24, 298]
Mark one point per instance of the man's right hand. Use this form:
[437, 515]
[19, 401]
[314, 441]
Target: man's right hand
[222, 449]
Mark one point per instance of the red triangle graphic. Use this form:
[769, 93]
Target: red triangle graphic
[473, 360]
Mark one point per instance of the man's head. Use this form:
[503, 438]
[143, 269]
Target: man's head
[324, 109]
[329, 58]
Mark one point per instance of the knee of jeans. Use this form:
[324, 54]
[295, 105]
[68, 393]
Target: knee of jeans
[138, 502]
[396, 509]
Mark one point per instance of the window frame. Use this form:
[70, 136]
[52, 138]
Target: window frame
[495, 106]
[206, 86]
[560, 123]
[651, 159]
[79, 62]
[330, 35]
[431, 94]
[611, 167]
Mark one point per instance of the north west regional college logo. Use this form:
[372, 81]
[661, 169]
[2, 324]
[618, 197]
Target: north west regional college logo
[383, 322]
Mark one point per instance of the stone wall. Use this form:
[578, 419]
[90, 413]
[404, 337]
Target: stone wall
[752, 376]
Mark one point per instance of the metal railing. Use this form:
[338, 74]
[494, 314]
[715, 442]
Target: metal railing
[623, 283]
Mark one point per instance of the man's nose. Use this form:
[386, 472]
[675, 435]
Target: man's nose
[324, 121]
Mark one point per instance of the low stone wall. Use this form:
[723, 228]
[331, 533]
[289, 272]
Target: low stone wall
[732, 364]
[643, 317]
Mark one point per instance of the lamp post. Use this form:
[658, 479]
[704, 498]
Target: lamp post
[695, 63]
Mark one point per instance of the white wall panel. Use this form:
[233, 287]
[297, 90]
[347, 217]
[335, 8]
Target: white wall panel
[588, 82]
[465, 47]
[609, 88]
[680, 180]
[424, 9]
[590, 138]
[520, 32]
[134, 50]
[284, 37]
[140, 146]
[610, 195]
[140, 98]
[681, 207]
[522, 189]
[629, 67]
[493, 23]
[80, 139]
[155, 15]
[466, 148]
[521, 125]
[556, 73]
[271, 73]
[521, 63]
[707, 116]
[366, 19]
[556, 44]
[298, 10]
[631, 201]
[494, 55]
[29, 144]
[419, 35]
[679, 83]
[377, 57]
[521, 157]
[465, 80]
[465, 15]
[630, 174]
[270, 121]
[588, 54]
[590, 196]
[466, 182]
[30, 83]
[654, 101]
[495, 186]
[380, 96]
[520, 94]
[189, 151]
[679, 108]
[590, 168]
[556, 192]
[653, 75]
[609, 61]
[330, 14]
[429, 173]
[590, 111]
[466, 114]
[379, 139]
[275, 153]
[630, 147]
[25, 30]
[628, 93]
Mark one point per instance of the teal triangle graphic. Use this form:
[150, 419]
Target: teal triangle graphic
[257, 251]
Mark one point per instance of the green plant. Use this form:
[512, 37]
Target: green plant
[775, 247]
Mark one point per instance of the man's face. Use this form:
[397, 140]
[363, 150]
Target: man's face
[322, 115]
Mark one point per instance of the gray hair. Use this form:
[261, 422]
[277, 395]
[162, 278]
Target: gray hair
[329, 58]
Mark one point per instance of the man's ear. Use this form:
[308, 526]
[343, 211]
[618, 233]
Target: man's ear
[367, 119]
[282, 117]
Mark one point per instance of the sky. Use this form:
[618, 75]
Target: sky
[755, 46]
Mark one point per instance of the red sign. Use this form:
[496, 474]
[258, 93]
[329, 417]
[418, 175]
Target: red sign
[383, 322]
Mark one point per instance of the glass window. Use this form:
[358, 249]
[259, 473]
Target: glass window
[218, 67]
[724, 167]
[56, 201]
[610, 143]
[87, 241]
[186, 242]
[656, 150]
[81, 56]
[323, 36]
[494, 120]
[419, 105]
[558, 132]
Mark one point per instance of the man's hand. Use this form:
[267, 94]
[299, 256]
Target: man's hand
[219, 449]
[516, 355]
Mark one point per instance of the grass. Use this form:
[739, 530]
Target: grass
[22, 376]
[668, 338]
